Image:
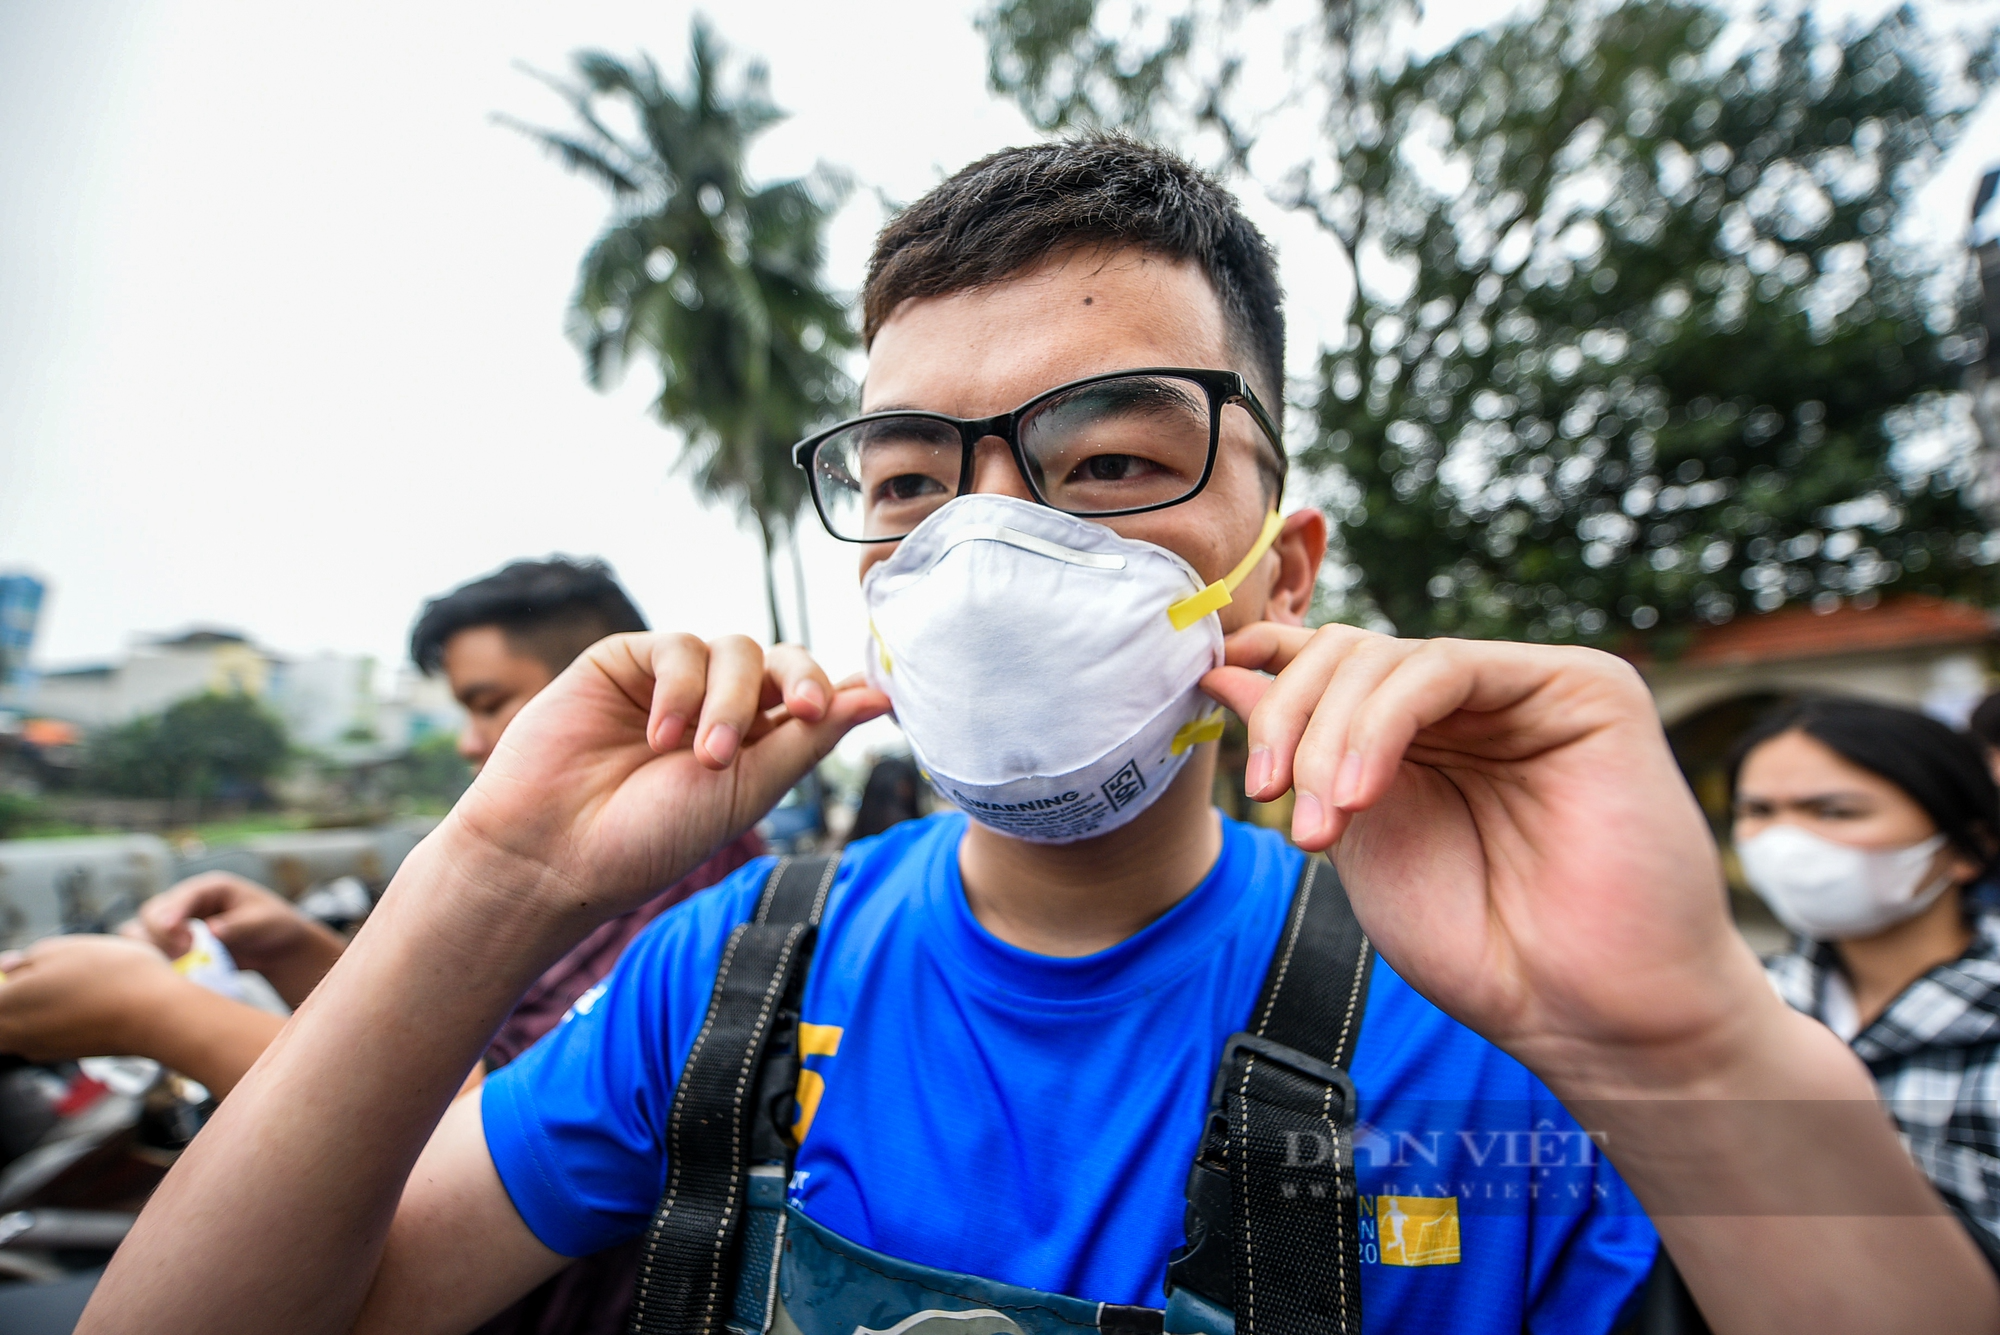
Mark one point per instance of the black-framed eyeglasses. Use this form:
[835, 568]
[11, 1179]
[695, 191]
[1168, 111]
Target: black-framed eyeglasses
[1121, 443]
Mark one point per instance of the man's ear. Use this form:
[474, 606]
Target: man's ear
[1300, 548]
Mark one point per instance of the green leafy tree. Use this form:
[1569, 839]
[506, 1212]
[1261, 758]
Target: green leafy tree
[432, 771]
[1637, 340]
[203, 747]
[712, 279]
[19, 813]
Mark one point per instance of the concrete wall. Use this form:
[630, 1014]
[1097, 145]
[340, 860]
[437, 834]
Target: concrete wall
[77, 885]
[91, 884]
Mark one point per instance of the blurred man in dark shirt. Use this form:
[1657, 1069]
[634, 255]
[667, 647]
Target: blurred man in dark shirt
[499, 640]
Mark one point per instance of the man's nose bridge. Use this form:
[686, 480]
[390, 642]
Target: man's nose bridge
[994, 471]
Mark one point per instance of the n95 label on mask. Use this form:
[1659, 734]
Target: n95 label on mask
[1123, 786]
[1089, 804]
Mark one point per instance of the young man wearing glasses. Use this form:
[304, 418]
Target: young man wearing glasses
[1026, 1030]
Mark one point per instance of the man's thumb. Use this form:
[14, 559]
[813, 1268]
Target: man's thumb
[782, 756]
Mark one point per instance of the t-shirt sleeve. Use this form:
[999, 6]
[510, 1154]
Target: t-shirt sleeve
[1586, 1265]
[575, 1124]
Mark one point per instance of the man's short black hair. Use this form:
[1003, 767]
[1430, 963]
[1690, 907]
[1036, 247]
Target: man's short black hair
[552, 610]
[1020, 207]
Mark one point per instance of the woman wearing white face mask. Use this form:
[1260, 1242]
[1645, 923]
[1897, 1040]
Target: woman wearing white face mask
[1862, 825]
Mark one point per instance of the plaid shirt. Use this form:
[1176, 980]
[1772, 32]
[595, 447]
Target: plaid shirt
[1935, 1054]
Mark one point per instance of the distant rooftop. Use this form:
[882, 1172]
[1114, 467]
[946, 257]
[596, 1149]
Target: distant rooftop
[1901, 621]
[81, 670]
[199, 637]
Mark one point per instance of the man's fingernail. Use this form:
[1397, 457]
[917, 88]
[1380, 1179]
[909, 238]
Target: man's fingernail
[668, 734]
[722, 740]
[811, 694]
[1347, 784]
[1307, 817]
[1257, 774]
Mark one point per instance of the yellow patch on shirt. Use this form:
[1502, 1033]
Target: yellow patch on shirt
[1417, 1230]
[815, 1040]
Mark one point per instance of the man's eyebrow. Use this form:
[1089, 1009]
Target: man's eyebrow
[476, 689]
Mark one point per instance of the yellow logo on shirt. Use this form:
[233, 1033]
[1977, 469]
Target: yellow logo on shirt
[815, 1040]
[1416, 1230]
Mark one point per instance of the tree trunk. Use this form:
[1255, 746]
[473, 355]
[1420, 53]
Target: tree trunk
[799, 584]
[770, 581]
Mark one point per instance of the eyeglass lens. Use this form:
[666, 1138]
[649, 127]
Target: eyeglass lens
[1121, 444]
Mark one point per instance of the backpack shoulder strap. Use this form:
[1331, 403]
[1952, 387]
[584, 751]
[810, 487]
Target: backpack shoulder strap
[1273, 1215]
[1313, 992]
[716, 1128]
[796, 890]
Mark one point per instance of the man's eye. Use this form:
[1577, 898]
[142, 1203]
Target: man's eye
[1111, 468]
[908, 486]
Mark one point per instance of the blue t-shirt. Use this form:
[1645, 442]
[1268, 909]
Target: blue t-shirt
[982, 1109]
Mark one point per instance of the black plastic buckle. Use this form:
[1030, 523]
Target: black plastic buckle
[1299, 1063]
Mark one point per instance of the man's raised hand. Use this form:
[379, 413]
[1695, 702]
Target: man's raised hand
[649, 752]
[1513, 828]
[82, 996]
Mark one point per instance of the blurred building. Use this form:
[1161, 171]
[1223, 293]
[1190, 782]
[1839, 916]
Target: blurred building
[1984, 238]
[20, 611]
[329, 702]
[1910, 649]
[417, 707]
[156, 674]
[1928, 653]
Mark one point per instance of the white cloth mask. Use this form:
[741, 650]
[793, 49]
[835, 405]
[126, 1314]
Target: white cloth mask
[1831, 892]
[1044, 669]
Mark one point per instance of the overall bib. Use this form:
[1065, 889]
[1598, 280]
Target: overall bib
[1272, 1228]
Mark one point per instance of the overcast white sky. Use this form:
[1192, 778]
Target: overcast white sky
[281, 309]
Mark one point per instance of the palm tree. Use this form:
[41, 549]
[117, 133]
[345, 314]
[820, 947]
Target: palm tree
[714, 279]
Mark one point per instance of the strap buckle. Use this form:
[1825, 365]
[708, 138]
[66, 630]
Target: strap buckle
[1291, 1059]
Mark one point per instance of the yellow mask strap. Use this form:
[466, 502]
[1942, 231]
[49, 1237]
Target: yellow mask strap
[1218, 595]
[1196, 731]
[881, 649]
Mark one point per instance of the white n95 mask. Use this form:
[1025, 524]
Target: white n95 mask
[1830, 892]
[1044, 669]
